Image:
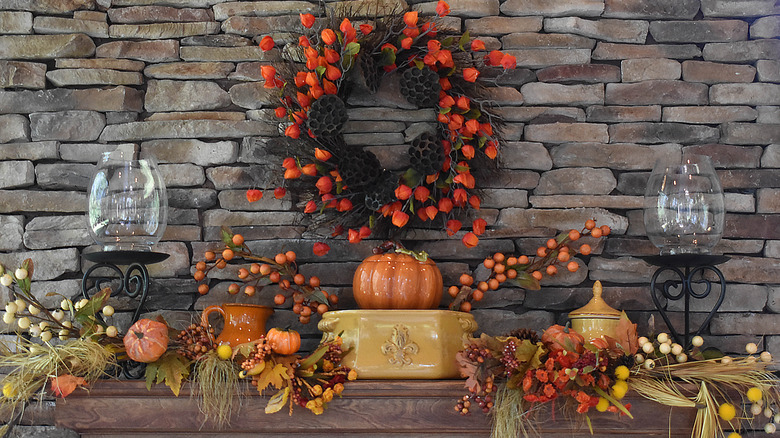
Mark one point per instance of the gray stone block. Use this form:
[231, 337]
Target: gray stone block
[16, 174]
[14, 128]
[67, 125]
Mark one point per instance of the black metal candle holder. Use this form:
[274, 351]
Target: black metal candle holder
[134, 282]
[686, 266]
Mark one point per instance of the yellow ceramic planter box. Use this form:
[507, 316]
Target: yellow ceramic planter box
[400, 344]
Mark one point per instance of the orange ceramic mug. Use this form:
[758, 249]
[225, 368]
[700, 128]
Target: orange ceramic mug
[243, 322]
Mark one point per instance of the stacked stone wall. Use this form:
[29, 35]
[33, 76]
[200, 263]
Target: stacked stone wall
[603, 88]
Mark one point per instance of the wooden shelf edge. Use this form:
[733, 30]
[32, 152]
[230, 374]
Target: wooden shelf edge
[408, 408]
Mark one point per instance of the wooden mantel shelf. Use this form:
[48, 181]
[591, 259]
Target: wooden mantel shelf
[382, 409]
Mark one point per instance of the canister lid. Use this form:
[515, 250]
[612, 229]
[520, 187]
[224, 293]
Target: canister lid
[596, 307]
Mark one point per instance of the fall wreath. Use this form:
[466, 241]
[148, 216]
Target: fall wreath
[345, 186]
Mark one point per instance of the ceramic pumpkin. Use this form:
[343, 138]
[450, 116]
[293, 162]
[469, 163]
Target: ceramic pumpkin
[284, 341]
[562, 338]
[146, 340]
[399, 280]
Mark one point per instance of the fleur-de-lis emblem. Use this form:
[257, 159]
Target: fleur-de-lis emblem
[399, 347]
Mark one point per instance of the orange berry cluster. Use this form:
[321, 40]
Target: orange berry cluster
[307, 295]
[525, 270]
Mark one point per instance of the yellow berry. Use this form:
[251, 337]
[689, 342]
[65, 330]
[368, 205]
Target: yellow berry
[754, 394]
[734, 435]
[108, 310]
[602, 405]
[619, 389]
[224, 352]
[9, 390]
[727, 411]
[622, 372]
[111, 331]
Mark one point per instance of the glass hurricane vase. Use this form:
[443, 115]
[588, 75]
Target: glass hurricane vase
[684, 206]
[127, 203]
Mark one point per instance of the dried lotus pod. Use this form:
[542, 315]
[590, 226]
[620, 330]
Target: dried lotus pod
[383, 191]
[327, 116]
[426, 153]
[360, 168]
[420, 86]
[370, 71]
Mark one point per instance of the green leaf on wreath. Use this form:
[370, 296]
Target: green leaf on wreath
[473, 114]
[463, 40]
[459, 168]
[388, 57]
[170, 368]
[419, 64]
[482, 141]
[411, 177]
[445, 110]
[320, 70]
[277, 402]
[352, 48]
[446, 42]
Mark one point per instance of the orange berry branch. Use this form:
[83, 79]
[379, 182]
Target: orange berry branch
[307, 295]
[524, 271]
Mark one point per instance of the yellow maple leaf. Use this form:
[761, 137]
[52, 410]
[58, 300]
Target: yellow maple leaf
[275, 377]
[170, 368]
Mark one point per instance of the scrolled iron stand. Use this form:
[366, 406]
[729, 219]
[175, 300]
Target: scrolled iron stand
[686, 267]
[133, 282]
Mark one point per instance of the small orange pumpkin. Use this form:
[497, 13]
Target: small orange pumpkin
[146, 340]
[397, 281]
[561, 338]
[284, 341]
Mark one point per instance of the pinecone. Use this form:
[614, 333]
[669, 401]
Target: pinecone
[426, 154]
[383, 191]
[327, 116]
[360, 168]
[523, 333]
[420, 86]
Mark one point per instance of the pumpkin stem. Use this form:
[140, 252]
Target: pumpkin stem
[397, 247]
[386, 246]
[139, 335]
[420, 256]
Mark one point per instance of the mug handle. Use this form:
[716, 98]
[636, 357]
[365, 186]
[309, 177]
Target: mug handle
[204, 317]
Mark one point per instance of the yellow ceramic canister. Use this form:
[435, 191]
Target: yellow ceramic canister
[595, 319]
[400, 344]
